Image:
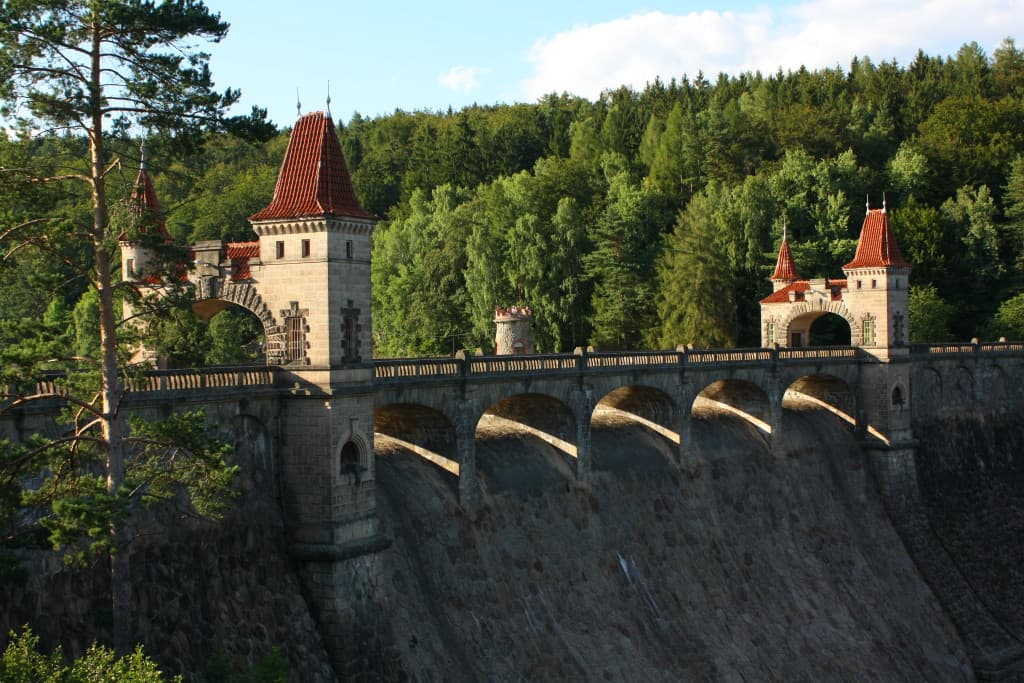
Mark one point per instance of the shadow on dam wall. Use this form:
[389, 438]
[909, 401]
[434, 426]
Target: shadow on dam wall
[739, 565]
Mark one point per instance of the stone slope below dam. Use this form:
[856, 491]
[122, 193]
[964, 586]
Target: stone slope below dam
[740, 565]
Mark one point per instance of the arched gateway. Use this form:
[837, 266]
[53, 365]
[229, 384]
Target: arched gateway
[873, 298]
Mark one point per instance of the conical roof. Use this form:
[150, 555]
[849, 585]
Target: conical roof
[785, 267]
[877, 246]
[313, 180]
[144, 204]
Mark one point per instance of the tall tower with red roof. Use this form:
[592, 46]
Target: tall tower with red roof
[785, 272]
[314, 254]
[877, 288]
[311, 272]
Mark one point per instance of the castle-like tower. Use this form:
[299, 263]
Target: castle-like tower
[314, 254]
[877, 288]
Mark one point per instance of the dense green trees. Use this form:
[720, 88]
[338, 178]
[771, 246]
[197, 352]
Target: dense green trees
[577, 208]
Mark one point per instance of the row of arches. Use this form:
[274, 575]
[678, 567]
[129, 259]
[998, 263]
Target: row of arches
[450, 441]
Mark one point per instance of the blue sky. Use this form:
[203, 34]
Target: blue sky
[381, 56]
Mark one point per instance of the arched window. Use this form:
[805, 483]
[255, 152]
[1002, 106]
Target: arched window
[349, 460]
[897, 397]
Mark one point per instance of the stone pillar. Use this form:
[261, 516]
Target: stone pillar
[684, 398]
[776, 394]
[465, 437]
[895, 470]
[583, 412]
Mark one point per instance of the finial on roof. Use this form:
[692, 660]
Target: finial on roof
[328, 98]
[785, 224]
[883, 203]
[867, 204]
[142, 155]
[298, 103]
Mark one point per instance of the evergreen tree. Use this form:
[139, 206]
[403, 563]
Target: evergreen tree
[626, 241]
[695, 290]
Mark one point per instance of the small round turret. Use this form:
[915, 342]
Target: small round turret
[514, 333]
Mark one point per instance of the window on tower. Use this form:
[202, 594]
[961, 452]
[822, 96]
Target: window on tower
[869, 333]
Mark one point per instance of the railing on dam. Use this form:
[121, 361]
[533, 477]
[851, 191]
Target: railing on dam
[416, 369]
[952, 348]
[413, 370]
[204, 378]
[227, 377]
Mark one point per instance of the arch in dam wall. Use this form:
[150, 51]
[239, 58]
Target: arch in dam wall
[426, 431]
[218, 294]
[945, 386]
[741, 397]
[827, 391]
[643, 404]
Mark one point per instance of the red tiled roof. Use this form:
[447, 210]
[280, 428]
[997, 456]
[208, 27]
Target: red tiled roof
[785, 268]
[239, 254]
[313, 180]
[145, 206]
[802, 286]
[877, 246]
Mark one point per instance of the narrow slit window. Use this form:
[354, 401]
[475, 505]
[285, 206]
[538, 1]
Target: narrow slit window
[296, 338]
[305, 248]
[348, 249]
[280, 250]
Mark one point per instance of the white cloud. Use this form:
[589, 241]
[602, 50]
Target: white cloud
[819, 33]
[462, 78]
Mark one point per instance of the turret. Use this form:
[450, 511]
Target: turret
[144, 209]
[514, 331]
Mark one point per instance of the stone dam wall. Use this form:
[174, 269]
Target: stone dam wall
[740, 565]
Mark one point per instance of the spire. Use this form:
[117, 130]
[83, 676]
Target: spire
[144, 204]
[877, 246]
[785, 267]
[313, 180]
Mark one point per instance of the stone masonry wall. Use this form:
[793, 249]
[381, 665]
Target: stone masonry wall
[201, 589]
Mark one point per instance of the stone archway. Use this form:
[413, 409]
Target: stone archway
[245, 295]
[795, 328]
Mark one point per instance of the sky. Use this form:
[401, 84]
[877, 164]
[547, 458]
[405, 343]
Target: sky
[375, 56]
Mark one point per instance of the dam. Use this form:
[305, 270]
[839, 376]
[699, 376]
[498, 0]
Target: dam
[780, 513]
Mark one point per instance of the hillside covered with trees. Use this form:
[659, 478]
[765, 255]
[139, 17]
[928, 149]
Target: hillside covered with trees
[642, 219]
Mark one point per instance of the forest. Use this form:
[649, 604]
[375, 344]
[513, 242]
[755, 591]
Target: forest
[644, 219]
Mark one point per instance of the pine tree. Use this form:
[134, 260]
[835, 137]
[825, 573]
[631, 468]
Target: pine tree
[93, 69]
[695, 293]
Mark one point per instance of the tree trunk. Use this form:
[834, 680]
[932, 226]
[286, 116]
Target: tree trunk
[120, 570]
